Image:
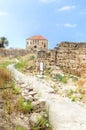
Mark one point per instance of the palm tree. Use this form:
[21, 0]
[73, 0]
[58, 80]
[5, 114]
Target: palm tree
[3, 42]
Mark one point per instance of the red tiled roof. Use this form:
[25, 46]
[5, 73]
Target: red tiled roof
[36, 37]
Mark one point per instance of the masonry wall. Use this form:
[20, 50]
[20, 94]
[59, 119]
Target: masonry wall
[71, 57]
[13, 52]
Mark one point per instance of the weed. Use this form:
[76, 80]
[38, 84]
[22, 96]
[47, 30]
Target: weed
[19, 128]
[23, 106]
[8, 107]
[32, 57]
[47, 71]
[73, 98]
[70, 93]
[21, 65]
[7, 94]
[42, 124]
[16, 90]
[61, 78]
[55, 88]
[5, 74]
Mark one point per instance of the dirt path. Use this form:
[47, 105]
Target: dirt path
[64, 114]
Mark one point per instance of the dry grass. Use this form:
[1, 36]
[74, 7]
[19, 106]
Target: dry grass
[80, 83]
[5, 77]
[81, 86]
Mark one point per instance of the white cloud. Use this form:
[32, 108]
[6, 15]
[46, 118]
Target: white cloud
[47, 1]
[67, 25]
[70, 25]
[66, 8]
[3, 13]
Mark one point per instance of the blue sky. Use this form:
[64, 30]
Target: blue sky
[56, 20]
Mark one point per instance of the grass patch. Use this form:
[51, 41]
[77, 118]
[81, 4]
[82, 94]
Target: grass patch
[21, 65]
[55, 88]
[5, 78]
[4, 62]
[19, 128]
[23, 106]
[61, 78]
[42, 124]
[16, 90]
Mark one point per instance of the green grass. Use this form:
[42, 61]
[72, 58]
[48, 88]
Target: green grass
[16, 90]
[23, 106]
[55, 88]
[19, 128]
[42, 124]
[5, 62]
[61, 78]
[21, 65]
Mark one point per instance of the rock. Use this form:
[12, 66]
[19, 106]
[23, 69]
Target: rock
[42, 102]
[35, 117]
[39, 105]
[30, 89]
[32, 93]
[28, 98]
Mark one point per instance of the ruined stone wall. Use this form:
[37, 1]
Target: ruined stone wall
[71, 57]
[13, 52]
[47, 57]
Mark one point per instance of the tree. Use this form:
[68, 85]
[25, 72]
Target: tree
[3, 42]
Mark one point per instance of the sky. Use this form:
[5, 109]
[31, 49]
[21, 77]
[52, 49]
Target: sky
[56, 20]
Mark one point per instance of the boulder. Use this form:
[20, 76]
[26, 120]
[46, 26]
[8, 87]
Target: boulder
[34, 118]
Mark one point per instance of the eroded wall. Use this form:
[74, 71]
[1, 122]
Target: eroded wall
[71, 57]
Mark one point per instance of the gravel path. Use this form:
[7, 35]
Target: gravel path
[64, 114]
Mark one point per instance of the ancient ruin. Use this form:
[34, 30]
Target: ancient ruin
[69, 56]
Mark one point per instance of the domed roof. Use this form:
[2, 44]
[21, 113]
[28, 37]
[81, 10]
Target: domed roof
[36, 37]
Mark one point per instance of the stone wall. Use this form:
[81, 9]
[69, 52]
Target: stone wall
[13, 52]
[71, 57]
[47, 57]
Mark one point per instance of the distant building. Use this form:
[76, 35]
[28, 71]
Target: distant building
[37, 43]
